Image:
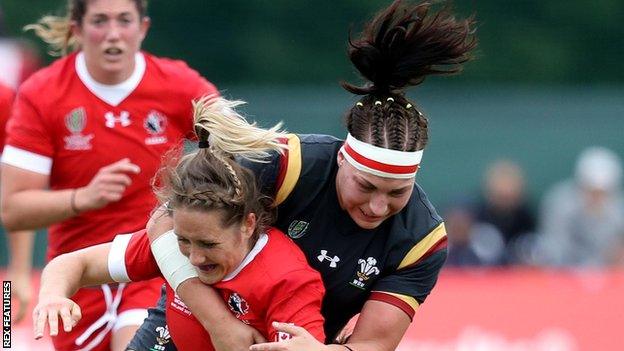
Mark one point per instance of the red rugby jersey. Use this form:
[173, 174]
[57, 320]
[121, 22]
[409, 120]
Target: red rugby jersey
[274, 283]
[68, 126]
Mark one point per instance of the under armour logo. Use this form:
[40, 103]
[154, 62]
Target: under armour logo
[123, 119]
[332, 261]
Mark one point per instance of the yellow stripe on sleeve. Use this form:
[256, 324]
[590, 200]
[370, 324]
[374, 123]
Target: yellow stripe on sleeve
[417, 252]
[293, 169]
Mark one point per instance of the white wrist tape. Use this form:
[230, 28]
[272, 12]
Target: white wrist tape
[175, 267]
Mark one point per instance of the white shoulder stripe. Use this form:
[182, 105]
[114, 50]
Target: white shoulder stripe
[117, 258]
[27, 160]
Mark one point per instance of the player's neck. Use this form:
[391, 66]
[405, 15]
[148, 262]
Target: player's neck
[109, 76]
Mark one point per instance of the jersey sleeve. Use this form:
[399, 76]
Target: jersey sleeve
[29, 143]
[417, 274]
[130, 258]
[297, 300]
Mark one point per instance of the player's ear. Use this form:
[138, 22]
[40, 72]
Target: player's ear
[249, 225]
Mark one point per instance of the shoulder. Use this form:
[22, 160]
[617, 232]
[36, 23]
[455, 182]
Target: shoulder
[419, 217]
[416, 231]
[318, 156]
[48, 83]
[169, 68]
[49, 78]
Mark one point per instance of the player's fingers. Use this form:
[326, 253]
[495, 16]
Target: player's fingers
[53, 322]
[76, 314]
[114, 188]
[114, 178]
[123, 165]
[289, 328]
[39, 319]
[66, 319]
[113, 197]
[269, 346]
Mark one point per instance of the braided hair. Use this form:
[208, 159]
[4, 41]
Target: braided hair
[209, 179]
[399, 48]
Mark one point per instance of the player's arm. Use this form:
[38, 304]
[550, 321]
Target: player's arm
[27, 203]
[60, 279]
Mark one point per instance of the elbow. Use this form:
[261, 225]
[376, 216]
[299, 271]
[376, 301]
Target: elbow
[11, 220]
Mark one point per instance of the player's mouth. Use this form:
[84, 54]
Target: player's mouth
[113, 53]
[370, 218]
[207, 268]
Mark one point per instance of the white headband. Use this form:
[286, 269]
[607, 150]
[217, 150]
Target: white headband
[380, 161]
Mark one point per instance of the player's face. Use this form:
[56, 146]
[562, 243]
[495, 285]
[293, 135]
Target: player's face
[213, 249]
[110, 34]
[370, 199]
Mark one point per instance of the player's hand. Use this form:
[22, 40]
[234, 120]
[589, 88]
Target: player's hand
[108, 185]
[301, 340]
[48, 311]
[159, 223]
[346, 332]
[235, 336]
[21, 291]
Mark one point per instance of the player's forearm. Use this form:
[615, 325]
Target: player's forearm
[20, 251]
[34, 209]
[62, 276]
[207, 306]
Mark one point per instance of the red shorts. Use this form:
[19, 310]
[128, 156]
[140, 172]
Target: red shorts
[104, 310]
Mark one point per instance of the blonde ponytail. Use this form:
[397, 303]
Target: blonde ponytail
[56, 32]
[227, 132]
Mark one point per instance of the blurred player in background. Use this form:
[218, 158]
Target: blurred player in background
[18, 60]
[353, 206]
[85, 137]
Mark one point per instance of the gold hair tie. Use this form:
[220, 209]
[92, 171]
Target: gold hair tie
[377, 102]
[359, 104]
[390, 99]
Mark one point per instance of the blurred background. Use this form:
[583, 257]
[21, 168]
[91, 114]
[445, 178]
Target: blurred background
[524, 154]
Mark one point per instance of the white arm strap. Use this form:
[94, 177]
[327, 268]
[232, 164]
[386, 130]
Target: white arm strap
[175, 267]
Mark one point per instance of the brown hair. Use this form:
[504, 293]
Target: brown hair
[56, 30]
[209, 178]
[399, 48]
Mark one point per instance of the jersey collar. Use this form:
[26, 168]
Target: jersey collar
[260, 244]
[111, 94]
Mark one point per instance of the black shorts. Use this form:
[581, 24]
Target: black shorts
[153, 335]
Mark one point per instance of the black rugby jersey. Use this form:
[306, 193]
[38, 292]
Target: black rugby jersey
[397, 262]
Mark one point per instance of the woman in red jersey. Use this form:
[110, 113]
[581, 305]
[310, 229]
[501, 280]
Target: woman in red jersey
[86, 136]
[220, 219]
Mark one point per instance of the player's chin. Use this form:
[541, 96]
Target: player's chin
[367, 224]
[211, 277]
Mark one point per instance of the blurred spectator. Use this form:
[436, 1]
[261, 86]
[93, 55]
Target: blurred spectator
[582, 219]
[472, 243]
[18, 58]
[504, 206]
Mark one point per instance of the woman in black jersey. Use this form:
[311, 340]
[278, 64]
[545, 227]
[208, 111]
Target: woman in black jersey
[353, 206]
